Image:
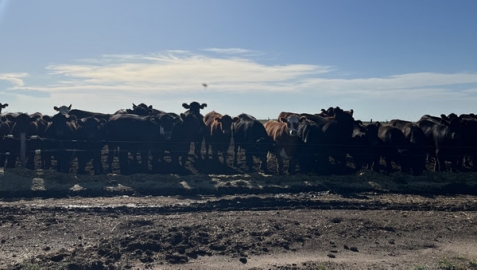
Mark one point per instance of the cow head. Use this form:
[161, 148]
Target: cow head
[168, 123]
[22, 123]
[194, 107]
[292, 124]
[91, 128]
[3, 106]
[63, 109]
[141, 109]
[226, 123]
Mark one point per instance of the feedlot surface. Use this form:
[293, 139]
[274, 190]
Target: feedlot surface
[308, 222]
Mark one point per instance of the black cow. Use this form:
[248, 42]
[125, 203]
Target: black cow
[417, 140]
[59, 142]
[133, 134]
[395, 148]
[337, 136]
[311, 147]
[469, 141]
[250, 135]
[184, 133]
[30, 126]
[90, 136]
[172, 139]
[80, 114]
[365, 146]
[443, 140]
[194, 108]
[4, 131]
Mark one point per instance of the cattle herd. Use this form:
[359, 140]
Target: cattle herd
[142, 138]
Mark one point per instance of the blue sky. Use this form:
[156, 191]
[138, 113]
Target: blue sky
[384, 59]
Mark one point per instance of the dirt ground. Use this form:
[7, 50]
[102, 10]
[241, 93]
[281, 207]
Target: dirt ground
[234, 220]
[313, 230]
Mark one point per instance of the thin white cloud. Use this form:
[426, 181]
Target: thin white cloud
[14, 78]
[178, 72]
[228, 50]
[404, 81]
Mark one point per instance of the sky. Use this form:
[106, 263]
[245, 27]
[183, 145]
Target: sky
[383, 59]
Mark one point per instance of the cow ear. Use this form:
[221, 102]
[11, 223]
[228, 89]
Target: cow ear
[235, 119]
[351, 112]
[283, 119]
[150, 107]
[56, 108]
[218, 119]
[69, 108]
[302, 119]
[203, 105]
[185, 106]
[134, 106]
[377, 123]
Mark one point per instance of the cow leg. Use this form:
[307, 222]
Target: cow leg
[198, 148]
[97, 164]
[236, 149]
[112, 150]
[157, 157]
[82, 160]
[389, 167]
[263, 163]
[144, 161]
[224, 155]
[215, 152]
[291, 165]
[249, 160]
[30, 163]
[124, 167]
[374, 165]
[207, 146]
[63, 161]
[440, 165]
[11, 160]
[279, 164]
[3, 158]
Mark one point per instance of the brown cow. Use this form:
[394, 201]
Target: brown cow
[285, 115]
[218, 134]
[284, 133]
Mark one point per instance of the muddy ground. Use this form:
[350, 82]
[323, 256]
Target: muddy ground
[229, 219]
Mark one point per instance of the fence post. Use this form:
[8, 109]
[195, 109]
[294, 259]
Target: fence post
[23, 149]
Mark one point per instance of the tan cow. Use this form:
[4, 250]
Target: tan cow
[284, 133]
[218, 134]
